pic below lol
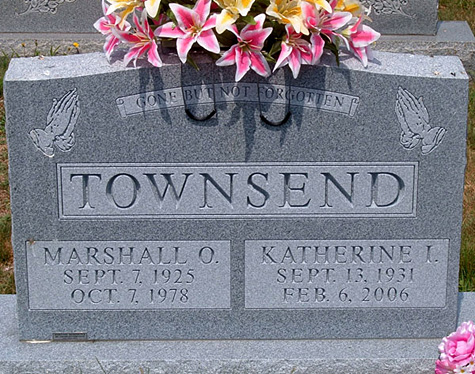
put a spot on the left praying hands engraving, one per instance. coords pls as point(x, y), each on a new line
point(44, 6)
point(61, 121)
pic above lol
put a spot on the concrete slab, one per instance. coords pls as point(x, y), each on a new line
point(250, 356)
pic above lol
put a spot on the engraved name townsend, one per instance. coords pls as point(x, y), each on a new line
point(285, 274)
point(128, 275)
point(237, 190)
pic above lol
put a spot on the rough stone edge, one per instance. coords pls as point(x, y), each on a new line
point(454, 38)
point(405, 356)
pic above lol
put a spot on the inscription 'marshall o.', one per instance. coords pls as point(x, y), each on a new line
point(135, 275)
point(236, 190)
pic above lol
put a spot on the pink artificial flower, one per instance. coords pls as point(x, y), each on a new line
point(105, 25)
point(193, 26)
point(295, 51)
point(320, 21)
point(458, 349)
point(359, 38)
point(142, 40)
point(444, 367)
point(246, 54)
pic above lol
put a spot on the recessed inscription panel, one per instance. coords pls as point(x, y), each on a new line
point(112, 275)
point(292, 274)
point(238, 92)
point(237, 190)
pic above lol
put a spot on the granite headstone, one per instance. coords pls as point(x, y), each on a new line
point(49, 16)
point(163, 204)
point(404, 17)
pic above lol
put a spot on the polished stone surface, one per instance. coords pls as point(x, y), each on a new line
point(49, 16)
point(368, 169)
point(398, 356)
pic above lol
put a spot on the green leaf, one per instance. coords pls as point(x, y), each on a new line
point(171, 15)
point(276, 47)
point(268, 56)
point(249, 20)
point(334, 49)
point(192, 62)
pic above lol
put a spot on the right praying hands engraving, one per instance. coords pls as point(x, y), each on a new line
point(62, 119)
point(414, 121)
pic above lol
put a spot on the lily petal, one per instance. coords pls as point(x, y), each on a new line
point(243, 63)
point(169, 30)
point(202, 8)
point(183, 46)
point(259, 64)
point(295, 62)
point(152, 7)
point(337, 20)
point(256, 38)
point(284, 53)
point(317, 47)
point(110, 44)
point(224, 20)
point(153, 56)
point(228, 58)
point(365, 36)
point(244, 6)
point(208, 41)
point(184, 16)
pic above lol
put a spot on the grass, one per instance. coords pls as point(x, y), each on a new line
point(7, 280)
point(465, 10)
point(448, 10)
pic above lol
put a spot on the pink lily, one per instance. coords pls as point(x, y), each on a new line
point(142, 40)
point(193, 26)
point(105, 25)
point(359, 38)
point(322, 22)
point(246, 54)
point(295, 51)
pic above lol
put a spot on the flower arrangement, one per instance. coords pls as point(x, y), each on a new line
point(457, 351)
point(245, 33)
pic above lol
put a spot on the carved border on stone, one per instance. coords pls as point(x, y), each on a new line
point(43, 6)
point(60, 124)
point(388, 7)
point(415, 123)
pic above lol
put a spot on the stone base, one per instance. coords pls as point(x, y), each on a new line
point(403, 356)
point(453, 38)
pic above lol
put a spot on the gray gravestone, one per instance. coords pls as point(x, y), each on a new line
point(133, 221)
point(77, 16)
point(403, 17)
point(49, 16)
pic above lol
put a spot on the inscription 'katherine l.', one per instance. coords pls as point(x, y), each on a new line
point(237, 190)
point(291, 274)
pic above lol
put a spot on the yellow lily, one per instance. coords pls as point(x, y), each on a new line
point(152, 7)
point(352, 6)
point(321, 4)
point(231, 11)
point(128, 7)
point(288, 12)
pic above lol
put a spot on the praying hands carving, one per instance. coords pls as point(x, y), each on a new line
point(415, 124)
point(61, 121)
